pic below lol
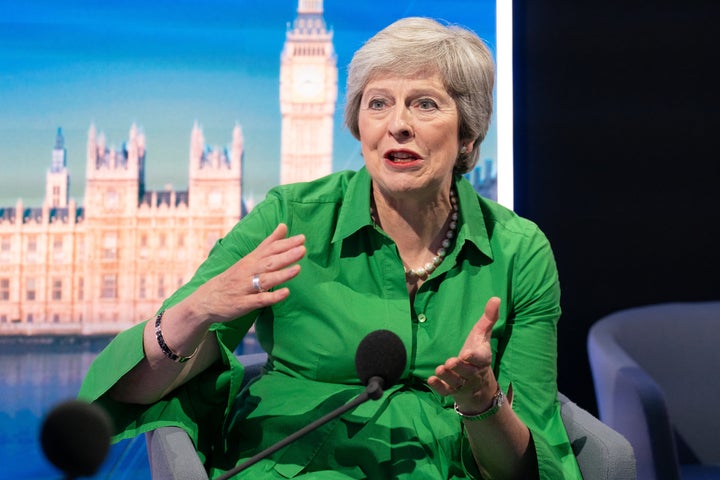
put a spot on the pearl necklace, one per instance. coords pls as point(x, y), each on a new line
point(428, 268)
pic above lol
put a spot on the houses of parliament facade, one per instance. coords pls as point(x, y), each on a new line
point(108, 263)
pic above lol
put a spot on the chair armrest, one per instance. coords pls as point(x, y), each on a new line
point(601, 452)
point(632, 403)
point(172, 455)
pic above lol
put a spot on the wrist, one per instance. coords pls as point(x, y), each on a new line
point(497, 401)
point(164, 347)
point(178, 333)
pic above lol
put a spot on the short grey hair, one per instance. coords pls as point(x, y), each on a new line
point(415, 44)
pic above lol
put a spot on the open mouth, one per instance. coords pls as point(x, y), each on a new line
point(401, 156)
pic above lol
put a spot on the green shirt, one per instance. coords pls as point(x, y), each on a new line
point(351, 283)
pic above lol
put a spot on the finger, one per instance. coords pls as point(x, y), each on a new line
point(440, 386)
point(282, 245)
point(262, 282)
point(477, 343)
point(264, 299)
point(451, 373)
point(281, 260)
point(462, 369)
point(490, 317)
point(277, 242)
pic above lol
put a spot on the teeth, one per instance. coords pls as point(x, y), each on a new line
point(401, 156)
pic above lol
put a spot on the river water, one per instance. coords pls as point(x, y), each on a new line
point(37, 373)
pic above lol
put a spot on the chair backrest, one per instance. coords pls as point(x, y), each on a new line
point(654, 369)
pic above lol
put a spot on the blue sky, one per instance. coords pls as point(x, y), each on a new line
point(164, 64)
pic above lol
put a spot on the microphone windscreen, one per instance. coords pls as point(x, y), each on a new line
point(380, 354)
point(75, 437)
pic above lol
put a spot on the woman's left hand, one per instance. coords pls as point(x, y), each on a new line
point(469, 377)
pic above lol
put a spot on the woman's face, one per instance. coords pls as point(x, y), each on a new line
point(409, 134)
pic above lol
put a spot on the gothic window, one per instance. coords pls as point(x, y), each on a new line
point(109, 286)
point(161, 286)
point(32, 249)
point(56, 289)
point(5, 249)
point(144, 252)
point(30, 289)
point(58, 249)
point(110, 246)
point(4, 289)
point(162, 249)
point(181, 246)
point(142, 287)
point(81, 289)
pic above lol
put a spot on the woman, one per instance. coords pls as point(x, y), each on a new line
point(404, 244)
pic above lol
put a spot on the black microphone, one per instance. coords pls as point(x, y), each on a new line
point(75, 437)
point(379, 361)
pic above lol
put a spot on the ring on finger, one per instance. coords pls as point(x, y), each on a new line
point(256, 284)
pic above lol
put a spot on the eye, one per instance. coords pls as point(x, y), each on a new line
point(376, 104)
point(426, 104)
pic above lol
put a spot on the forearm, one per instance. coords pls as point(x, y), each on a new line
point(156, 375)
point(502, 446)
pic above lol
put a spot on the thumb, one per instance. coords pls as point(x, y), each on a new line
point(482, 330)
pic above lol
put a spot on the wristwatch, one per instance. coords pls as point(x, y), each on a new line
point(497, 401)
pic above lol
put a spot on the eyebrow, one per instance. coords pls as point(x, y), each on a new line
point(415, 92)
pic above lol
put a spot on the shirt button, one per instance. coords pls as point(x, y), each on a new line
point(422, 318)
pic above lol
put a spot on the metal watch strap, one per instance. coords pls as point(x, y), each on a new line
point(497, 402)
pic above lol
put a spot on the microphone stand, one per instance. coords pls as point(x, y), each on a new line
point(373, 391)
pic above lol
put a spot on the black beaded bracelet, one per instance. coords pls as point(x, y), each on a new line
point(164, 346)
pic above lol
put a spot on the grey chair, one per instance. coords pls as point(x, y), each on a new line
point(602, 453)
point(655, 370)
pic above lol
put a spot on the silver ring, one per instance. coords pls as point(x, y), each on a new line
point(256, 284)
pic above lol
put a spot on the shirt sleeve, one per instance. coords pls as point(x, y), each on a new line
point(199, 405)
point(529, 355)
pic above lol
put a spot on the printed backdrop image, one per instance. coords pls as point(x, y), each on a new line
point(164, 65)
point(133, 135)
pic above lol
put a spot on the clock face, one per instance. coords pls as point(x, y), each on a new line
point(308, 83)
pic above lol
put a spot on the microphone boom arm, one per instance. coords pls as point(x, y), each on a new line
point(374, 391)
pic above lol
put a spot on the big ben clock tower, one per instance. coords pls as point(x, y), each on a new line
point(308, 92)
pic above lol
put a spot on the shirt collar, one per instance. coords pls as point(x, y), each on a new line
point(355, 209)
point(355, 212)
point(473, 224)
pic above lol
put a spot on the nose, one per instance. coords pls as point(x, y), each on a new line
point(400, 125)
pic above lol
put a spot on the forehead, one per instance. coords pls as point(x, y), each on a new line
point(392, 80)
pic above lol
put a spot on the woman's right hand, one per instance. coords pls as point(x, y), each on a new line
point(224, 297)
point(233, 293)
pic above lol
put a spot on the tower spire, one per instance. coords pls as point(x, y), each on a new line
point(57, 180)
point(59, 156)
point(310, 6)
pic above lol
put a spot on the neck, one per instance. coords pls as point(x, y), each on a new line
point(422, 235)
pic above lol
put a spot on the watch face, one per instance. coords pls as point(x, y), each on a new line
point(308, 82)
